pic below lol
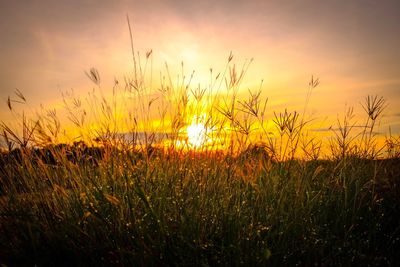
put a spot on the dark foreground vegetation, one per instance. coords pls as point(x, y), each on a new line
point(126, 204)
point(74, 205)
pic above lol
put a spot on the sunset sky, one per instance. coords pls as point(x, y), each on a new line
point(351, 46)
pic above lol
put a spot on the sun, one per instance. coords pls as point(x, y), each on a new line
point(197, 134)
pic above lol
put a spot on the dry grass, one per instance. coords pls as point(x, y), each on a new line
point(259, 193)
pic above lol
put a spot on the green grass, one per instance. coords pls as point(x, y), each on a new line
point(256, 203)
point(199, 209)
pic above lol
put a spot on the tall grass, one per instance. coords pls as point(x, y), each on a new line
point(259, 192)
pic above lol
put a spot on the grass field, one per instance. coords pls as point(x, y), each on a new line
point(276, 202)
point(200, 209)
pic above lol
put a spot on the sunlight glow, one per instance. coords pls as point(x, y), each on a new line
point(197, 134)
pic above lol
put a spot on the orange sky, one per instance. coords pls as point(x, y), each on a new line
point(352, 46)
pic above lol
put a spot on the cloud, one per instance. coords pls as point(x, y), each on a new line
point(350, 45)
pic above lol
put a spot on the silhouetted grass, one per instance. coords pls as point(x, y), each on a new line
point(199, 209)
point(271, 200)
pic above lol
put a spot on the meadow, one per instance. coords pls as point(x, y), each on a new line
point(232, 187)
